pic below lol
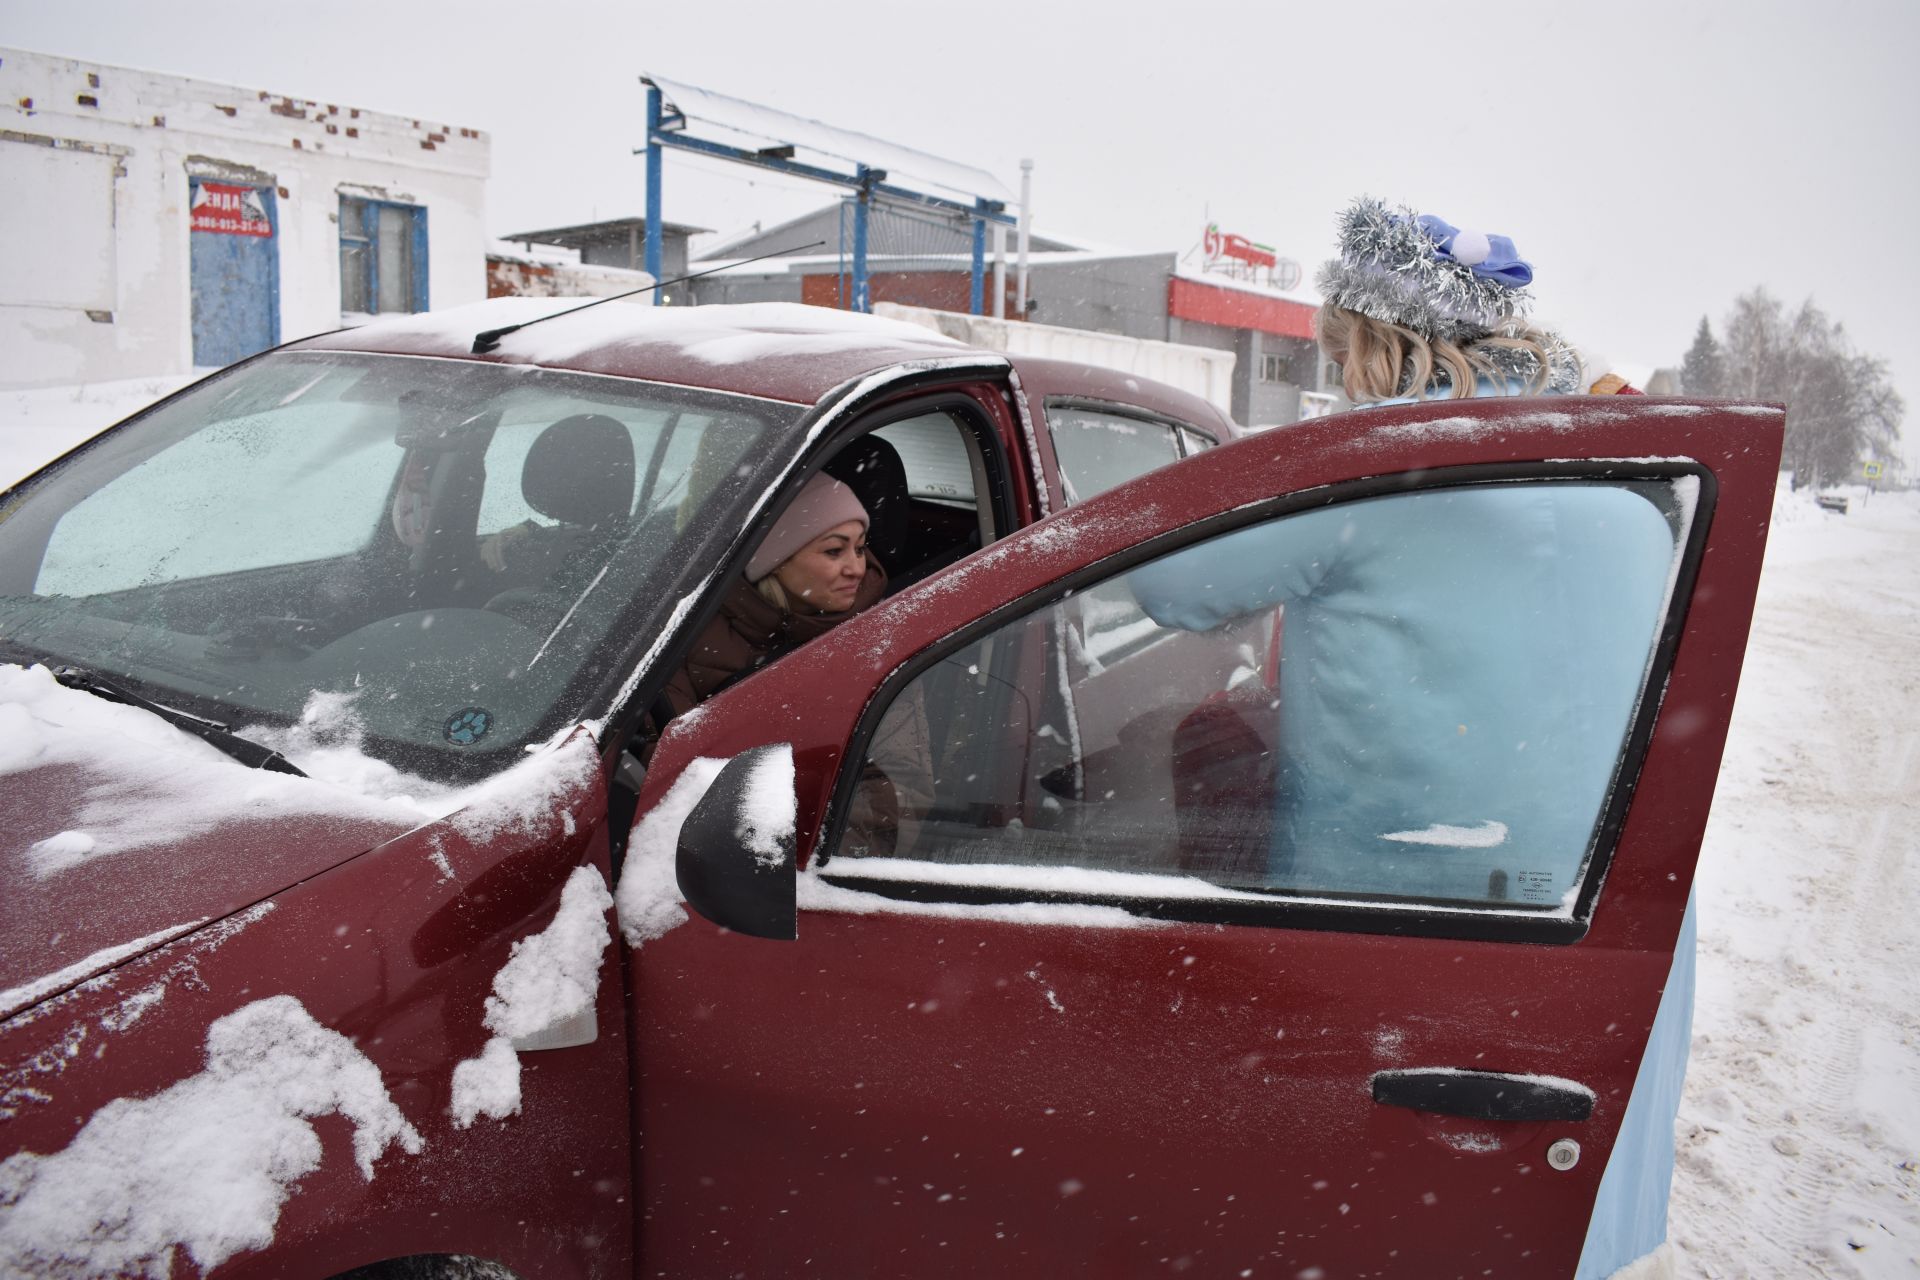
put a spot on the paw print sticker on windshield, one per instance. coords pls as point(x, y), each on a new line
point(468, 726)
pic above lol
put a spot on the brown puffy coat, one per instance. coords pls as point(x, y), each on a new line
point(749, 631)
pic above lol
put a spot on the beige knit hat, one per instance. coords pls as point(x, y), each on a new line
point(824, 503)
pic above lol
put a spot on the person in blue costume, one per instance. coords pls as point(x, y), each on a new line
point(1461, 664)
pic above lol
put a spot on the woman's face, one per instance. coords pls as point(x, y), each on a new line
point(824, 576)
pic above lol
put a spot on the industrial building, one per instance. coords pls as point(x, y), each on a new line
point(176, 223)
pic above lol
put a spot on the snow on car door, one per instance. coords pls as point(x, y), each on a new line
point(1348, 966)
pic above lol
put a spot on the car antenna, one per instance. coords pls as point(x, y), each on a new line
point(488, 339)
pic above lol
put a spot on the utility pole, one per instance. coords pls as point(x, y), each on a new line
point(1026, 230)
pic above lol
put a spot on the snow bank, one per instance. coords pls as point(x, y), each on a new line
point(649, 895)
point(1797, 1138)
point(204, 1165)
point(553, 975)
point(328, 743)
point(488, 1085)
point(549, 978)
point(187, 788)
point(719, 335)
point(37, 426)
point(769, 808)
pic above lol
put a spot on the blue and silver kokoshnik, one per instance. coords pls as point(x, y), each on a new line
point(1418, 272)
point(1445, 284)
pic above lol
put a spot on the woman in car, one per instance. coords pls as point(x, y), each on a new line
point(811, 573)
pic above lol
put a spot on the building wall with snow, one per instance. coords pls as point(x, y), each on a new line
point(1124, 295)
point(517, 276)
point(103, 269)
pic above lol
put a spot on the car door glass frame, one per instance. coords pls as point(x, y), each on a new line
point(1514, 922)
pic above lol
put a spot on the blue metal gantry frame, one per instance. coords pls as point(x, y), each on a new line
point(665, 129)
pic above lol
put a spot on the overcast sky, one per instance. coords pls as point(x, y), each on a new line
point(1653, 161)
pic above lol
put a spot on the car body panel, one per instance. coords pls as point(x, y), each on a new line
point(910, 1093)
point(396, 950)
point(172, 880)
point(1061, 1096)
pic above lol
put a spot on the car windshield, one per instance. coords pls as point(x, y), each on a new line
point(457, 552)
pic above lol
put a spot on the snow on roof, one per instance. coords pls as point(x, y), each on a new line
point(716, 334)
point(769, 125)
point(535, 251)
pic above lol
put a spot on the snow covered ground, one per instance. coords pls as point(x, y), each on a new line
point(1800, 1132)
point(38, 426)
point(1800, 1129)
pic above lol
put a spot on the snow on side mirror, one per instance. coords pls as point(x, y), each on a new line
point(735, 857)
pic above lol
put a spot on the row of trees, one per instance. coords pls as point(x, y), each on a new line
point(1841, 408)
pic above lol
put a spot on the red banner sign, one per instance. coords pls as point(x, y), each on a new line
point(1246, 259)
point(1228, 245)
point(230, 210)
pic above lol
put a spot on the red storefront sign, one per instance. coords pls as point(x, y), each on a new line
point(1227, 245)
point(230, 210)
point(1232, 308)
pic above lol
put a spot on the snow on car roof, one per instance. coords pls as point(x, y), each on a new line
point(779, 350)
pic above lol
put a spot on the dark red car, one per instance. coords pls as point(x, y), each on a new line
point(337, 720)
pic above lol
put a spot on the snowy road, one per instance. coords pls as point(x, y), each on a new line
point(1800, 1130)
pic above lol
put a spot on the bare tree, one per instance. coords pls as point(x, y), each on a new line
point(1841, 408)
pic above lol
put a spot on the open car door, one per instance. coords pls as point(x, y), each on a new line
point(1272, 864)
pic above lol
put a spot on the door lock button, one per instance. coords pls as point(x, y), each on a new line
point(1564, 1154)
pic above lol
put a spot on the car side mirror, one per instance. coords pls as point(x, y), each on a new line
point(736, 855)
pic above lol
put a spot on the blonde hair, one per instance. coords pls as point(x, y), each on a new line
point(775, 594)
point(1381, 361)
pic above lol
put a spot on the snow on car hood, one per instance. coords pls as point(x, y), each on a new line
point(118, 832)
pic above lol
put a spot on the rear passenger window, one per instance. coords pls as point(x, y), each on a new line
point(1098, 450)
point(934, 452)
point(1421, 697)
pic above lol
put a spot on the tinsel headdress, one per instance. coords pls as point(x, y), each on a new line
point(1417, 271)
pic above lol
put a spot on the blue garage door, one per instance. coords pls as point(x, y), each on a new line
point(236, 271)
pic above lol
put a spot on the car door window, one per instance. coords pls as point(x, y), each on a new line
point(1422, 696)
point(1098, 449)
point(934, 453)
point(1195, 441)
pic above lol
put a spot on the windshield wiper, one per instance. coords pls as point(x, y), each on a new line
point(251, 754)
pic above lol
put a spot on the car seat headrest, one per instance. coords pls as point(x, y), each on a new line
point(871, 467)
point(580, 471)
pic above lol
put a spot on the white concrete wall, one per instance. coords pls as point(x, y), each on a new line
point(1200, 370)
point(94, 257)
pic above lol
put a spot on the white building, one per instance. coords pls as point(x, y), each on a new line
point(152, 224)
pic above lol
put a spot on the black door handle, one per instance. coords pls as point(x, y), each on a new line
point(1484, 1095)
